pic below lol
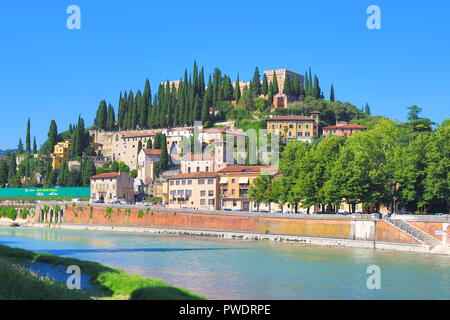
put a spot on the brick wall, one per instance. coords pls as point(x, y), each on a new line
point(150, 218)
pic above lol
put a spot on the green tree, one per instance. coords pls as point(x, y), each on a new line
point(275, 84)
point(256, 83)
point(34, 146)
point(50, 180)
point(20, 147)
point(265, 85)
point(332, 93)
point(28, 138)
point(261, 190)
point(52, 136)
point(164, 159)
point(149, 144)
point(101, 117)
point(111, 118)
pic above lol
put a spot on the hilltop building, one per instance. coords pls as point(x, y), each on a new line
point(61, 153)
point(302, 128)
point(343, 128)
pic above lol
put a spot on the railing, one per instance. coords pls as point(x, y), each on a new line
point(413, 232)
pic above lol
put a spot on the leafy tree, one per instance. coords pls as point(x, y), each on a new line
point(261, 190)
point(414, 112)
point(114, 166)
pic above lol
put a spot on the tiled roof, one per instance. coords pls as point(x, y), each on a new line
point(148, 152)
point(243, 169)
point(194, 175)
point(107, 175)
point(345, 126)
point(290, 118)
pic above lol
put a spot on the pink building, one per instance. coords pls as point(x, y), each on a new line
point(343, 128)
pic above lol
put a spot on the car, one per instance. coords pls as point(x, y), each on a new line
point(440, 214)
point(344, 213)
point(318, 212)
point(76, 200)
point(114, 202)
point(99, 201)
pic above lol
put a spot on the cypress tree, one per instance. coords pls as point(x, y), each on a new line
point(237, 90)
point(275, 84)
point(270, 95)
point(147, 94)
point(332, 93)
point(367, 109)
point(265, 85)
point(296, 87)
point(12, 167)
point(111, 118)
point(20, 147)
point(317, 91)
point(288, 87)
point(139, 148)
point(101, 117)
point(28, 138)
point(63, 176)
point(164, 160)
point(256, 83)
point(149, 144)
point(34, 146)
point(52, 136)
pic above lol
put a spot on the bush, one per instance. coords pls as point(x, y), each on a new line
point(10, 213)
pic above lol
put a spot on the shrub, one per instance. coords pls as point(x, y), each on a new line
point(141, 214)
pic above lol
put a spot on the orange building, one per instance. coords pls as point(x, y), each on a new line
point(234, 183)
point(343, 128)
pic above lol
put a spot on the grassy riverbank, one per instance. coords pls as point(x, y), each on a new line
point(17, 282)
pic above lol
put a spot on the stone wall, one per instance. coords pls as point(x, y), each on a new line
point(387, 233)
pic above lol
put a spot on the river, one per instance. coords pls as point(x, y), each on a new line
point(234, 269)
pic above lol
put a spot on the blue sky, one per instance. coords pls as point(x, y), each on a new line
point(50, 72)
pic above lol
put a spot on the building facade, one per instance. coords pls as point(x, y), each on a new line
point(61, 153)
point(146, 162)
point(343, 128)
point(112, 186)
point(197, 190)
point(302, 128)
point(281, 75)
point(234, 183)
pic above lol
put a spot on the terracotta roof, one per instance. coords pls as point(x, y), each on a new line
point(290, 118)
point(222, 130)
point(137, 135)
point(345, 126)
point(155, 152)
point(194, 175)
point(243, 169)
point(107, 175)
point(198, 157)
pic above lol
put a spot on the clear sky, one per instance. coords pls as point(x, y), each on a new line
point(50, 72)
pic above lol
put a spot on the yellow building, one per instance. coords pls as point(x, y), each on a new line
point(294, 127)
point(61, 153)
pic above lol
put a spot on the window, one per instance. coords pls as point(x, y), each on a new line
point(307, 134)
point(299, 126)
point(210, 181)
point(202, 193)
point(233, 180)
point(307, 126)
point(189, 182)
point(207, 170)
point(189, 169)
point(280, 126)
point(202, 202)
point(211, 202)
point(201, 181)
point(300, 134)
point(290, 133)
point(273, 126)
point(178, 182)
point(211, 193)
point(234, 204)
point(183, 182)
point(291, 126)
point(232, 191)
point(198, 169)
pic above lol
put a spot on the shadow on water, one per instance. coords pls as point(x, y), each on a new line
point(126, 250)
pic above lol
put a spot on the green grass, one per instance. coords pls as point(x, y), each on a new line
point(111, 283)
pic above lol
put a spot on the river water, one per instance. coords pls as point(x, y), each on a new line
point(234, 269)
